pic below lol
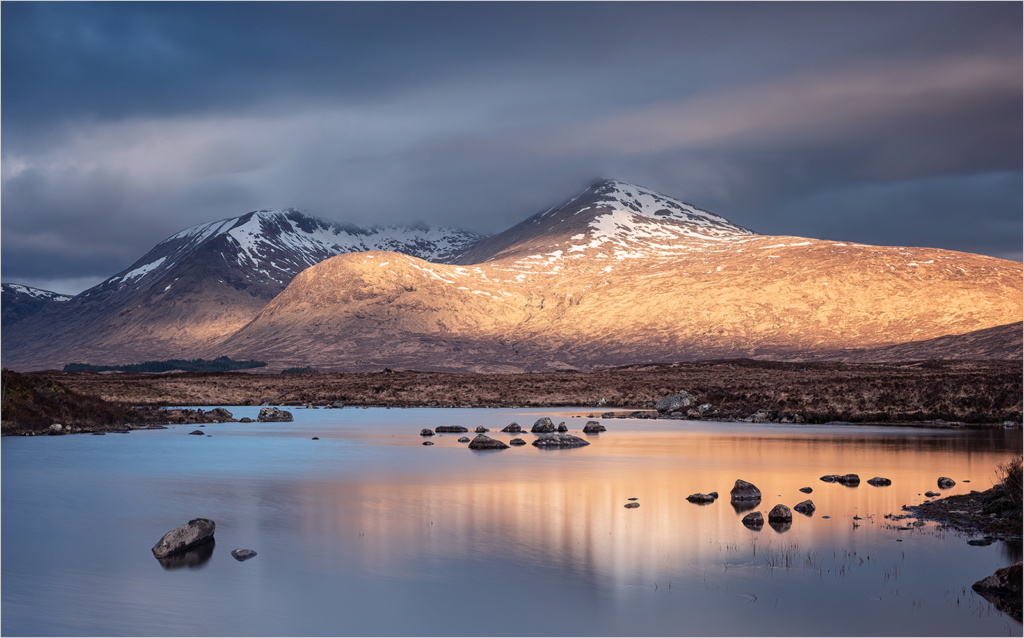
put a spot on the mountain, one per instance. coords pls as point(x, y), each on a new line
point(21, 302)
point(1001, 342)
point(623, 275)
point(202, 284)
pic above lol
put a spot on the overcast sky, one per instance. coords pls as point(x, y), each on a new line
point(881, 123)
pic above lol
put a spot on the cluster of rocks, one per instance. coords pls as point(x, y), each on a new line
point(191, 545)
point(549, 436)
point(684, 405)
point(273, 415)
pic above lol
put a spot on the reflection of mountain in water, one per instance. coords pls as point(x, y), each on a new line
point(192, 559)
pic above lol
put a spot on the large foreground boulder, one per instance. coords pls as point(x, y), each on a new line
point(674, 403)
point(181, 539)
point(555, 441)
point(484, 442)
point(543, 424)
point(1003, 589)
point(271, 415)
point(743, 491)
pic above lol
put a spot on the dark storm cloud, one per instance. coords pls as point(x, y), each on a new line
point(880, 122)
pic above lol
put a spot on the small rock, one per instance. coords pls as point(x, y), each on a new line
point(463, 439)
point(450, 428)
point(805, 507)
point(849, 480)
point(743, 491)
point(980, 542)
point(245, 419)
point(607, 415)
point(517, 442)
point(54, 429)
point(562, 427)
point(630, 506)
point(593, 427)
point(543, 424)
point(274, 415)
point(181, 539)
point(481, 429)
point(316, 438)
point(701, 498)
point(484, 442)
point(554, 441)
point(780, 513)
point(242, 554)
point(632, 498)
point(512, 428)
point(674, 403)
point(754, 520)
point(830, 478)
point(945, 482)
point(806, 490)
point(428, 443)
point(932, 494)
point(879, 481)
point(197, 432)
point(426, 432)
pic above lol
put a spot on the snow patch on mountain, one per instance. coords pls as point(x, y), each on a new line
point(37, 293)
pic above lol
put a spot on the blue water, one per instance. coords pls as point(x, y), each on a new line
point(368, 532)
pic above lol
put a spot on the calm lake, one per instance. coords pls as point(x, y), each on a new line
point(368, 532)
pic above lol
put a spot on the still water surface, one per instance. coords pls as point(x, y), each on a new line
point(368, 532)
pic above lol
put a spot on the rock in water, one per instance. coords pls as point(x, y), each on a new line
point(270, 415)
point(450, 428)
point(780, 513)
point(553, 441)
point(517, 442)
point(849, 480)
point(543, 424)
point(1003, 589)
point(192, 534)
point(806, 490)
point(831, 478)
point(945, 482)
point(197, 432)
point(674, 403)
point(481, 429)
point(879, 481)
point(630, 506)
point(512, 428)
point(562, 427)
point(221, 414)
point(754, 520)
point(55, 429)
point(426, 432)
point(484, 442)
point(593, 427)
point(702, 498)
point(463, 439)
point(242, 554)
point(805, 507)
point(743, 491)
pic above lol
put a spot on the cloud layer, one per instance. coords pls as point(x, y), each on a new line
point(881, 123)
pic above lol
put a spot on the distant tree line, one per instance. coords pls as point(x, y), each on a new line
point(220, 364)
point(305, 370)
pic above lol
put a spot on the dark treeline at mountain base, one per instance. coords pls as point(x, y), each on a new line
point(220, 364)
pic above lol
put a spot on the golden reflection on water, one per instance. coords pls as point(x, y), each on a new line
point(565, 508)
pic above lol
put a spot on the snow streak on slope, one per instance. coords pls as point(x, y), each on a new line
point(36, 293)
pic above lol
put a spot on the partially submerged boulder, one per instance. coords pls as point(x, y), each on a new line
point(242, 554)
point(463, 439)
point(481, 429)
point(517, 442)
point(849, 480)
point(555, 441)
point(702, 499)
point(805, 507)
point(484, 442)
point(831, 478)
point(879, 481)
point(450, 428)
point(743, 491)
point(221, 414)
point(806, 490)
point(631, 506)
point(754, 520)
point(512, 428)
point(593, 427)
point(197, 433)
point(543, 424)
point(1003, 589)
point(426, 432)
point(780, 513)
point(562, 427)
point(674, 403)
point(181, 539)
point(272, 415)
point(945, 482)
